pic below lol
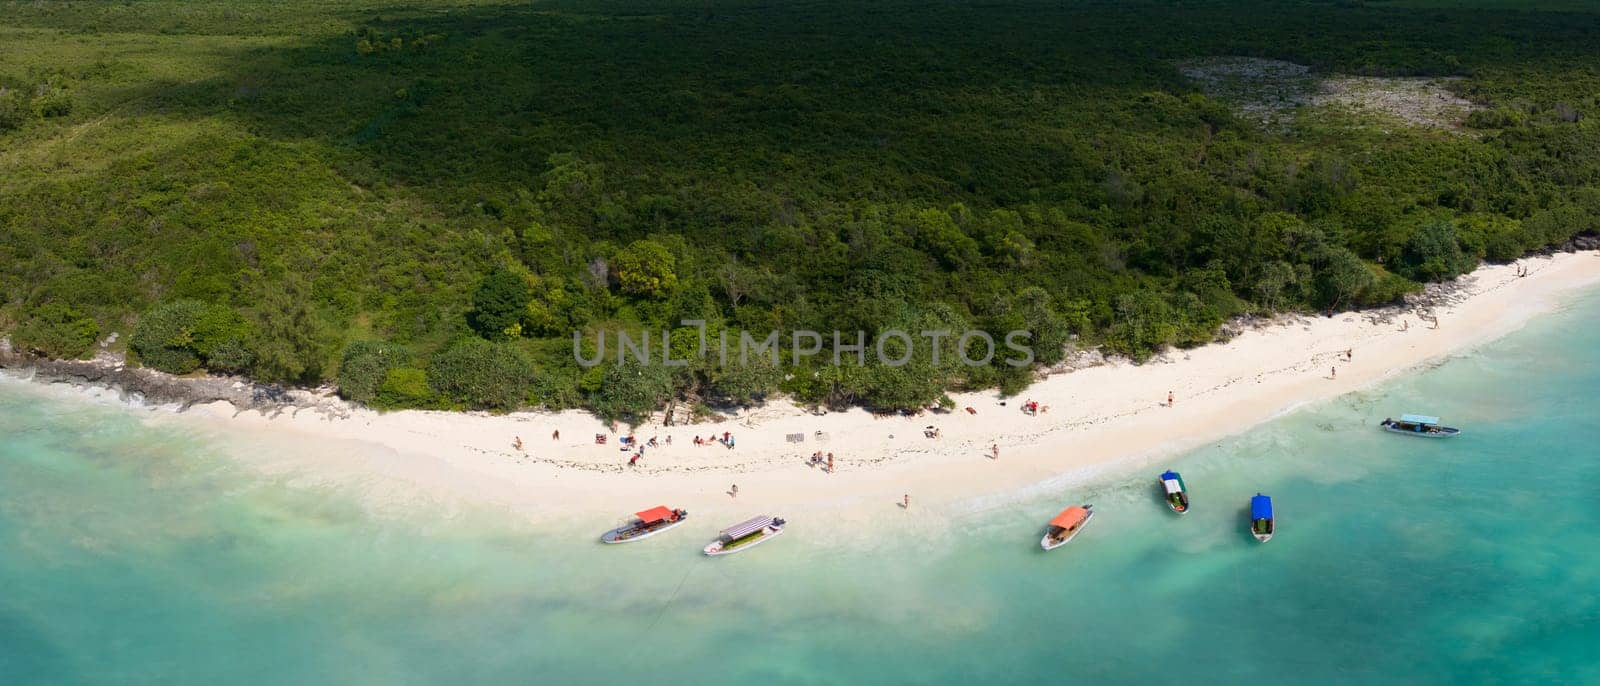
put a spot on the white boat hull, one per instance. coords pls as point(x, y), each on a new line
point(611, 536)
point(716, 549)
point(1049, 544)
point(1441, 432)
point(1266, 536)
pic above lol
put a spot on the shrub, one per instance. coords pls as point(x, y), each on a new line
point(745, 384)
point(365, 368)
point(51, 102)
point(478, 374)
point(181, 336)
point(632, 390)
point(57, 331)
point(499, 304)
point(1497, 118)
point(164, 338)
point(14, 110)
point(219, 338)
point(645, 268)
point(404, 387)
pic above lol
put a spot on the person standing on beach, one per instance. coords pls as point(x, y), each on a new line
point(734, 492)
point(555, 435)
point(1333, 372)
point(830, 463)
point(995, 450)
point(1349, 354)
point(517, 443)
point(907, 502)
point(1169, 398)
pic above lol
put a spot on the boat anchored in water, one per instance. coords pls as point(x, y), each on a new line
point(1177, 496)
point(745, 535)
point(1419, 425)
point(1066, 526)
point(1261, 523)
point(645, 524)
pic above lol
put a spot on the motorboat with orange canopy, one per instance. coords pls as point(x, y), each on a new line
point(1066, 525)
point(646, 524)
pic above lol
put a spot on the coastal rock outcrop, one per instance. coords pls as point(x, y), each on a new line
point(108, 370)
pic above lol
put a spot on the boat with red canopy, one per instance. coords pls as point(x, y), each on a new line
point(646, 524)
point(1066, 526)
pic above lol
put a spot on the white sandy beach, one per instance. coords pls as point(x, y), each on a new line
point(1105, 416)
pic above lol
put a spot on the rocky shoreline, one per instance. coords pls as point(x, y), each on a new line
point(109, 370)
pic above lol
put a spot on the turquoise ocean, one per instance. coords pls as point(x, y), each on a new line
point(140, 553)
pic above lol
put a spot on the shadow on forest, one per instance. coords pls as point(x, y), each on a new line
point(795, 102)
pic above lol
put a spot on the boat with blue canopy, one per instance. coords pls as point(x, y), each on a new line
point(1176, 495)
point(1262, 524)
point(1419, 425)
point(745, 535)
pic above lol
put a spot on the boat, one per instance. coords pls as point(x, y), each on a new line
point(1419, 425)
point(1261, 523)
point(745, 535)
point(645, 524)
point(1066, 526)
point(1177, 496)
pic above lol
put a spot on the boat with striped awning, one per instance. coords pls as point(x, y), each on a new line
point(645, 524)
point(1419, 425)
point(1175, 494)
point(745, 535)
point(1066, 526)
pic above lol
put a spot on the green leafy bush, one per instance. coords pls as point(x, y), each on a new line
point(184, 335)
point(632, 390)
point(58, 331)
point(479, 374)
point(500, 304)
point(51, 102)
point(404, 387)
point(645, 268)
point(14, 109)
point(164, 337)
point(365, 367)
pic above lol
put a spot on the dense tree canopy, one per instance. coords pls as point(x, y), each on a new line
point(289, 189)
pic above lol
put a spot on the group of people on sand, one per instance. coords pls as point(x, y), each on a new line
point(726, 440)
point(817, 458)
point(1032, 407)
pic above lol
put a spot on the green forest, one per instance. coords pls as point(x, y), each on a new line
point(421, 202)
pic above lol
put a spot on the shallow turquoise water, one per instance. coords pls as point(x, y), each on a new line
point(131, 554)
